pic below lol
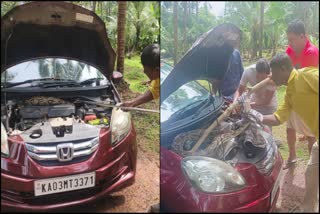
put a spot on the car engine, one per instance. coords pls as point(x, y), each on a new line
point(239, 138)
point(54, 118)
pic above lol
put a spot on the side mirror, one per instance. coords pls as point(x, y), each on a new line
point(116, 77)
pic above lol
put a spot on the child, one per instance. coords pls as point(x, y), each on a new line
point(150, 59)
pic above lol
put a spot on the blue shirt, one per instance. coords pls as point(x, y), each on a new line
point(231, 80)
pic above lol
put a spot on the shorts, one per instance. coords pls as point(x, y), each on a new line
point(295, 122)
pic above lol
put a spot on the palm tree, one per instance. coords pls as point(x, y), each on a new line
point(139, 6)
point(94, 6)
point(261, 28)
point(243, 14)
point(175, 32)
point(185, 7)
point(121, 35)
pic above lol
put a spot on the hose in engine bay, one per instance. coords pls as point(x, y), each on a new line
point(118, 106)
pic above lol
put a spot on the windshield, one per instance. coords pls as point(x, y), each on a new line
point(186, 95)
point(52, 68)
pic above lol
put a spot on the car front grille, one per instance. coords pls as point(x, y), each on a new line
point(48, 154)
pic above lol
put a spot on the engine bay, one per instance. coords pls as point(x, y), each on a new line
point(239, 138)
point(55, 118)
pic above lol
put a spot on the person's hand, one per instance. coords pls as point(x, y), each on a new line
point(244, 100)
point(256, 114)
point(124, 105)
point(127, 104)
point(237, 109)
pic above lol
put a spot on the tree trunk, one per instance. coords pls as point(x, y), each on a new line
point(206, 7)
point(305, 16)
point(121, 35)
point(175, 31)
point(197, 8)
point(94, 6)
point(138, 6)
point(185, 24)
point(254, 43)
point(101, 9)
point(316, 19)
point(138, 32)
point(108, 8)
point(261, 28)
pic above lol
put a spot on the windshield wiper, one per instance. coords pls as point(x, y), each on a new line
point(57, 84)
point(186, 108)
point(12, 84)
point(90, 81)
point(209, 100)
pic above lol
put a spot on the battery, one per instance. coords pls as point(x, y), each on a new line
point(90, 117)
point(100, 121)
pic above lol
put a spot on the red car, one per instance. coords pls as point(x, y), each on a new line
point(59, 147)
point(238, 167)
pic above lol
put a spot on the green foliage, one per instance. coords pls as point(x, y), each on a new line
point(280, 94)
point(195, 26)
point(246, 15)
point(142, 15)
point(6, 6)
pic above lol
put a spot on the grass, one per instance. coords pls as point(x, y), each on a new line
point(147, 125)
point(134, 74)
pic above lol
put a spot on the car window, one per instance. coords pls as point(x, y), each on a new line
point(57, 68)
point(187, 94)
point(165, 70)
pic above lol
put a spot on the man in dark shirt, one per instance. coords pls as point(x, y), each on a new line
point(231, 80)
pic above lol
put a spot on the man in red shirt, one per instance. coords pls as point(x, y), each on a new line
point(302, 54)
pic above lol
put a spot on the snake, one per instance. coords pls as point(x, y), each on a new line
point(212, 146)
point(44, 101)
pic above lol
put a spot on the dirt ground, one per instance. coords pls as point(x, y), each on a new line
point(292, 188)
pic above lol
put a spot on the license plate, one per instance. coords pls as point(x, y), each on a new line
point(64, 184)
point(275, 187)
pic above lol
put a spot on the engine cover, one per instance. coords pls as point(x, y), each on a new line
point(36, 112)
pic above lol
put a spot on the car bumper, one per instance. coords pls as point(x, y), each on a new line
point(18, 201)
point(114, 170)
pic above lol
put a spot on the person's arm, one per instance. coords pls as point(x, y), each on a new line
point(239, 92)
point(281, 115)
point(242, 86)
point(270, 120)
point(146, 97)
point(152, 93)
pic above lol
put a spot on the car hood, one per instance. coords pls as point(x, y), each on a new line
point(208, 58)
point(55, 29)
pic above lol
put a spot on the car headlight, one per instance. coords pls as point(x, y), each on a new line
point(4, 142)
point(120, 125)
point(212, 175)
